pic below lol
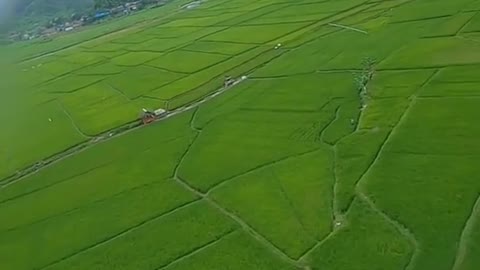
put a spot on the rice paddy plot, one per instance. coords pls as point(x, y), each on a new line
point(170, 32)
point(207, 164)
point(107, 47)
point(434, 52)
point(473, 25)
point(70, 83)
point(219, 47)
point(158, 242)
point(200, 21)
point(279, 94)
point(451, 25)
point(383, 112)
point(76, 230)
point(447, 196)
point(137, 81)
point(132, 39)
point(423, 10)
point(355, 153)
point(237, 250)
point(403, 83)
point(107, 68)
point(365, 238)
point(157, 45)
point(134, 58)
point(298, 169)
point(254, 34)
point(118, 150)
point(276, 192)
point(59, 67)
point(98, 108)
point(54, 132)
point(204, 76)
point(186, 61)
point(82, 58)
point(427, 117)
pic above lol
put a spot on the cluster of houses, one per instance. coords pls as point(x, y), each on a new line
point(55, 26)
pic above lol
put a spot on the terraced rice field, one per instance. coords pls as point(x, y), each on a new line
point(352, 146)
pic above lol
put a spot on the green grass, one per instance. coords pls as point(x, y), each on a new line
point(20, 150)
point(237, 250)
point(451, 25)
point(157, 45)
point(262, 33)
point(390, 84)
point(344, 122)
point(277, 192)
point(434, 189)
point(428, 116)
point(434, 52)
point(119, 148)
point(383, 113)
point(76, 192)
point(74, 231)
point(135, 58)
point(312, 91)
point(473, 25)
point(193, 81)
point(138, 81)
point(101, 69)
point(70, 84)
point(366, 238)
point(156, 243)
point(427, 9)
point(187, 62)
point(207, 163)
point(282, 151)
point(98, 108)
point(219, 47)
point(355, 154)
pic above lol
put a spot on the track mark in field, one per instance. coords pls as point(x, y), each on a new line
point(118, 91)
point(197, 250)
point(232, 178)
point(289, 201)
point(465, 235)
point(118, 235)
point(77, 128)
point(465, 24)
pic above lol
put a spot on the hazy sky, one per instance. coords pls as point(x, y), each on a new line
point(6, 7)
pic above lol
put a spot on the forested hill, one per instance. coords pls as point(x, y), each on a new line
point(18, 15)
point(50, 7)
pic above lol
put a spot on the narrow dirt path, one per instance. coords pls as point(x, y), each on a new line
point(362, 193)
point(470, 224)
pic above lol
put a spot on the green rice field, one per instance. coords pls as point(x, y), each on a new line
point(349, 140)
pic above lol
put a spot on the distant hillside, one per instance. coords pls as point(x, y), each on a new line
point(19, 15)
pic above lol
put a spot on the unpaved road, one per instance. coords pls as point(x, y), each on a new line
point(108, 135)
